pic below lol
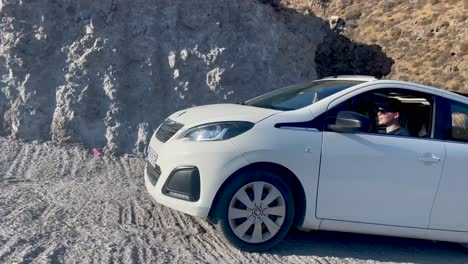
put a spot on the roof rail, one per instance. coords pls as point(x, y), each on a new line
point(353, 77)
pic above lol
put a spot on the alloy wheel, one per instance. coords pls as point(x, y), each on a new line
point(256, 212)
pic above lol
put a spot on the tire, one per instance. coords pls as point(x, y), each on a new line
point(254, 211)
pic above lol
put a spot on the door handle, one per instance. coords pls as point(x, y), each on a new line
point(429, 158)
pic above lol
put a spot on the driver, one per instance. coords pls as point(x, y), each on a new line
point(389, 116)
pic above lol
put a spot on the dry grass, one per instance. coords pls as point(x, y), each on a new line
point(427, 39)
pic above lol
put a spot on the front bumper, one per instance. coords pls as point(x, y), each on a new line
point(214, 161)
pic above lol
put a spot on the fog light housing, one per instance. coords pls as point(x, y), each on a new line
point(183, 183)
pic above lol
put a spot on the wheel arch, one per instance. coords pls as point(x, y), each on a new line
point(285, 174)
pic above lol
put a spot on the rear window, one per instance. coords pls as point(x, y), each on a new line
point(459, 114)
point(301, 95)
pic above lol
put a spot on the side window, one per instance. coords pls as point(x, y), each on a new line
point(459, 116)
point(361, 104)
point(398, 112)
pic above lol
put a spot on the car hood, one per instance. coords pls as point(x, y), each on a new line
point(221, 112)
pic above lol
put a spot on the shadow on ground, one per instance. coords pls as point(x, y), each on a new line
point(370, 248)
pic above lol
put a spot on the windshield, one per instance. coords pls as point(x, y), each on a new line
point(299, 96)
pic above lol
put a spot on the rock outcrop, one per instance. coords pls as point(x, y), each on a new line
point(427, 40)
point(105, 73)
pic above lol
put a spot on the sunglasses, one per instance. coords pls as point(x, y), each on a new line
point(383, 111)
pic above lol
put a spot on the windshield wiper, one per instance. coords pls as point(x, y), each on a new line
point(273, 107)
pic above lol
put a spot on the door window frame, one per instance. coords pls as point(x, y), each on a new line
point(443, 129)
point(430, 97)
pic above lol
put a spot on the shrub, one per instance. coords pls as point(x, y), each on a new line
point(428, 34)
point(425, 21)
point(416, 64)
point(403, 43)
point(353, 12)
point(387, 6)
point(395, 32)
point(442, 35)
point(404, 78)
point(464, 48)
point(462, 18)
point(454, 85)
point(403, 69)
point(435, 72)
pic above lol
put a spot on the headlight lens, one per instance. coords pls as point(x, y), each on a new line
point(217, 131)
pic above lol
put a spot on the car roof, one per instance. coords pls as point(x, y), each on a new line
point(435, 90)
point(365, 78)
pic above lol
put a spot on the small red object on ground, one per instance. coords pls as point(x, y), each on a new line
point(97, 152)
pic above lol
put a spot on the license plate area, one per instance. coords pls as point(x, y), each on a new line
point(152, 157)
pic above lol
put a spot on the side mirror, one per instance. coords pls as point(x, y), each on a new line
point(349, 122)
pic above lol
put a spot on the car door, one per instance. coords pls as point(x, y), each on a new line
point(450, 210)
point(369, 177)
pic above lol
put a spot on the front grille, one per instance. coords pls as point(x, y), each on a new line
point(167, 130)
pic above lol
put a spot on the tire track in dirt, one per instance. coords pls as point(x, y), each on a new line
point(23, 210)
point(61, 164)
point(78, 157)
point(12, 246)
point(127, 213)
point(24, 162)
point(163, 218)
point(141, 213)
point(9, 154)
point(106, 214)
point(207, 247)
point(109, 174)
point(49, 215)
point(53, 207)
point(133, 171)
point(57, 255)
point(126, 170)
point(6, 248)
point(12, 168)
point(90, 209)
point(33, 253)
point(131, 255)
point(183, 221)
point(36, 159)
point(131, 218)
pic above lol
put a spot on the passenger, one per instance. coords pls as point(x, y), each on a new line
point(389, 116)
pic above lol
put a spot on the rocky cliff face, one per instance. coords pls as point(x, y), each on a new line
point(427, 40)
point(105, 73)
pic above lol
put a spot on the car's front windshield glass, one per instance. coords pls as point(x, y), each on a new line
point(301, 95)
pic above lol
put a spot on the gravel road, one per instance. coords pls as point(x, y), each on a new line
point(62, 204)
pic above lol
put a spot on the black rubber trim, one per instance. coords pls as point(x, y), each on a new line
point(167, 130)
point(153, 173)
point(175, 188)
point(317, 123)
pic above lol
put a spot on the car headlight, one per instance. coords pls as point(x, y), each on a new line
point(217, 131)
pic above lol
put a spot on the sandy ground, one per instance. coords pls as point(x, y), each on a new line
point(63, 204)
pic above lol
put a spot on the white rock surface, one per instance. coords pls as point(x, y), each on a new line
point(91, 72)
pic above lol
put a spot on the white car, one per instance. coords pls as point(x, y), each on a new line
point(316, 156)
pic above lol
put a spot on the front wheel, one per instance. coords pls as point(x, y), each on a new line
point(255, 211)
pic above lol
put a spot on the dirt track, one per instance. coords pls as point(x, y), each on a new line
point(62, 204)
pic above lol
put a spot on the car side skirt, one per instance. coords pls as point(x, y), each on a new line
point(395, 231)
